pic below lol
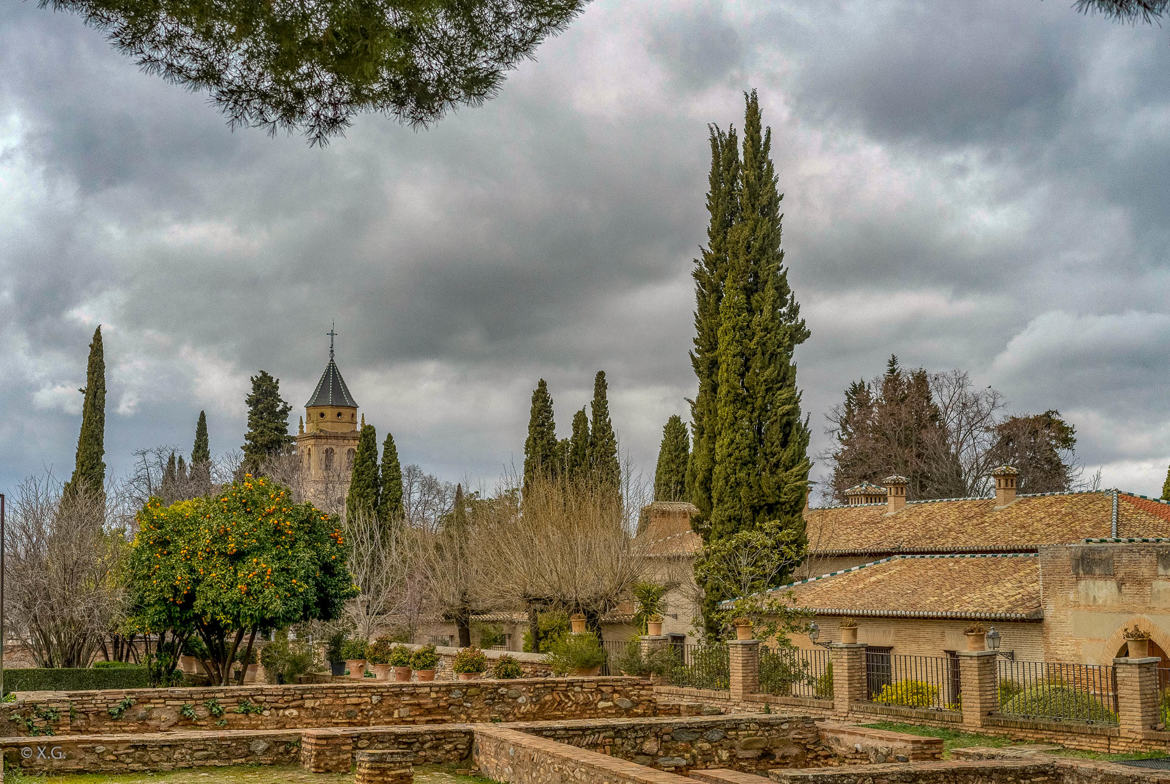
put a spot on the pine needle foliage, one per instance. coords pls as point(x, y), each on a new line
point(268, 412)
point(89, 471)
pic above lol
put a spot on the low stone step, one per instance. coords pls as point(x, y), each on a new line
point(723, 776)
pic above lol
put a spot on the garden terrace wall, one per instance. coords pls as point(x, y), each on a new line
point(334, 704)
point(947, 772)
point(746, 742)
point(533, 665)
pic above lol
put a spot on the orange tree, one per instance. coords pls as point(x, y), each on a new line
point(221, 568)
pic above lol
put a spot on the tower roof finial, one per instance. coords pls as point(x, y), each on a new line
point(332, 333)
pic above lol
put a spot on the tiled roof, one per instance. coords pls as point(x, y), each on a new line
point(977, 525)
point(331, 389)
point(668, 530)
point(982, 587)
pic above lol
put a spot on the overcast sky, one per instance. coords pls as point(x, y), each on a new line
point(975, 185)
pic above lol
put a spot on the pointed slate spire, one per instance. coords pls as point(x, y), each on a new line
point(331, 389)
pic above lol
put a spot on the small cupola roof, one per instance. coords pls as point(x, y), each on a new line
point(331, 389)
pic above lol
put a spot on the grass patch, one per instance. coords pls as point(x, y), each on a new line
point(956, 739)
point(239, 774)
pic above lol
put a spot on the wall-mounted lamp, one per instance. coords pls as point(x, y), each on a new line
point(993, 642)
point(814, 631)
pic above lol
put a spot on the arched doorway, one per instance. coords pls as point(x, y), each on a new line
point(1163, 665)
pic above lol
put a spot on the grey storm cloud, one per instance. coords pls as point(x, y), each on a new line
point(976, 186)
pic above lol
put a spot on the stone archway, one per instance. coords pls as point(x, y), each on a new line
point(1159, 642)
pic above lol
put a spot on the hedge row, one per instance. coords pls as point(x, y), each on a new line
point(70, 679)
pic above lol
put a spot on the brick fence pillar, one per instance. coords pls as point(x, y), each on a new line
point(326, 751)
point(978, 685)
point(848, 675)
point(648, 644)
point(1138, 709)
point(384, 767)
point(745, 667)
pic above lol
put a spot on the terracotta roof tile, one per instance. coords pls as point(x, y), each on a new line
point(668, 529)
point(987, 587)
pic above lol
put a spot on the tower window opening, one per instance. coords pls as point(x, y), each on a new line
point(329, 458)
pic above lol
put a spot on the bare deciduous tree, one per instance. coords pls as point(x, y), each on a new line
point(425, 498)
point(63, 594)
point(386, 563)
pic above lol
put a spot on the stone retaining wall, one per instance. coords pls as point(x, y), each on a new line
point(948, 772)
point(863, 744)
point(336, 704)
point(747, 742)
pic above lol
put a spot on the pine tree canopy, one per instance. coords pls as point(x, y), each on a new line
point(603, 446)
point(578, 463)
point(390, 505)
point(673, 455)
point(312, 65)
point(541, 453)
point(89, 471)
point(267, 434)
point(365, 487)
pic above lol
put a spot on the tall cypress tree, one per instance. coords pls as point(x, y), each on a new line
point(1166, 487)
point(671, 472)
point(267, 422)
point(365, 488)
point(89, 470)
point(578, 463)
point(201, 453)
point(540, 448)
point(709, 273)
point(390, 505)
point(603, 446)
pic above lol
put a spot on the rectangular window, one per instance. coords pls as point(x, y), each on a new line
point(879, 670)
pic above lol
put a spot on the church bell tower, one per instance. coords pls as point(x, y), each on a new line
point(328, 437)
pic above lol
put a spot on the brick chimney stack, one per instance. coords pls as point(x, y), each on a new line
point(895, 492)
point(1005, 484)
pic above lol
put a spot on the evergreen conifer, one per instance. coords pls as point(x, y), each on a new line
point(365, 488)
point(603, 446)
point(267, 434)
point(89, 471)
point(1166, 487)
point(540, 448)
point(201, 454)
point(578, 463)
point(390, 505)
point(673, 454)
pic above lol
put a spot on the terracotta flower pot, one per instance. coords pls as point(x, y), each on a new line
point(425, 675)
point(743, 629)
point(654, 628)
point(578, 623)
point(976, 641)
point(849, 635)
point(470, 676)
point(356, 667)
point(381, 671)
point(402, 674)
point(1138, 649)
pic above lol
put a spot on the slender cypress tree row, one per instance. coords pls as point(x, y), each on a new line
point(201, 453)
point(540, 448)
point(578, 464)
point(365, 488)
point(709, 273)
point(673, 453)
point(603, 447)
point(1166, 487)
point(390, 504)
point(89, 470)
point(267, 422)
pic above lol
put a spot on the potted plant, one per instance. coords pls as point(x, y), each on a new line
point(976, 637)
point(576, 654)
point(1137, 641)
point(743, 628)
point(379, 658)
point(400, 661)
point(648, 617)
point(424, 661)
point(577, 622)
point(354, 654)
point(848, 628)
point(469, 664)
point(333, 653)
point(654, 626)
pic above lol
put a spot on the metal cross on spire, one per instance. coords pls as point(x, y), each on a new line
point(332, 333)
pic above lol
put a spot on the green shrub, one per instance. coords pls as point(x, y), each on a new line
point(553, 625)
point(285, 659)
point(575, 652)
point(824, 685)
point(909, 694)
point(491, 635)
point(76, 679)
point(1057, 701)
point(399, 656)
point(354, 649)
point(115, 665)
point(781, 670)
point(1007, 690)
point(379, 651)
point(709, 668)
point(214, 709)
point(333, 647)
point(468, 661)
point(660, 662)
point(425, 658)
point(507, 668)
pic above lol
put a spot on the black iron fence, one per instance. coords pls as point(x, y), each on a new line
point(793, 672)
point(930, 682)
point(1051, 690)
point(698, 666)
